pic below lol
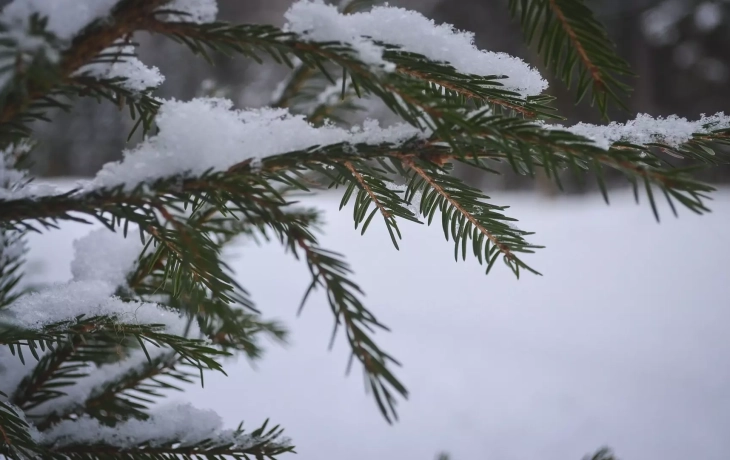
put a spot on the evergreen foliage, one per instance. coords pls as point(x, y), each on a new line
point(184, 221)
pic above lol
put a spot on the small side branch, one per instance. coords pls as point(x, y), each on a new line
point(503, 248)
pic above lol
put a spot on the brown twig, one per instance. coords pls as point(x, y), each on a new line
point(426, 177)
point(367, 189)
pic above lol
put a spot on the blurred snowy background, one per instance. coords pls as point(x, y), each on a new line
point(623, 342)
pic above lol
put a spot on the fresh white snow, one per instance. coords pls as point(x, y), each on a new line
point(137, 76)
point(645, 129)
point(107, 256)
point(207, 133)
point(63, 302)
point(413, 32)
point(169, 423)
point(66, 18)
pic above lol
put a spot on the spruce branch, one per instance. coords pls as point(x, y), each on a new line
point(260, 444)
point(125, 19)
point(466, 216)
point(568, 35)
point(108, 329)
point(129, 395)
point(374, 189)
point(249, 40)
point(52, 372)
point(12, 257)
point(142, 107)
point(16, 434)
point(330, 273)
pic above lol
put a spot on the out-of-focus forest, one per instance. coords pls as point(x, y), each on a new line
point(680, 50)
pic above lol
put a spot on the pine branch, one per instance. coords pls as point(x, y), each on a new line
point(214, 452)
point(53, 371)
point(107, 328)
point(16, 440)
point(128, 395)
point(92, 41)
point(12, 257)
point(330, 272)
point(142, 107)
point(259, 444)
point(374, 189)
point(249, 40)
point(570, 36)
point(468, 217)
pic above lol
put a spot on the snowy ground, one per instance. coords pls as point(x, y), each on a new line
point(623, 342)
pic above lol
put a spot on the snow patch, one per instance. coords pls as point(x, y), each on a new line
point(645, 129)
point(66, 302)
point(66, 18)
point(413, 32)
point(106, 256)
point(207, 133)
point(137, 76)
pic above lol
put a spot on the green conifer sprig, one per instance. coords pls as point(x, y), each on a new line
point(260, 444)
point(131, 394)
point(575, 46)
point(107, 328)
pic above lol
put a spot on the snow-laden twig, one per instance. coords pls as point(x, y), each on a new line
point(66, 18)
point(207, 133)
point(413, 32)
point(137, 77)
point(65, 302)
point(181, 424)
point(645, 129)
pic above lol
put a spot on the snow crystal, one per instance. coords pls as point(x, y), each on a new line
point(137, 76)
point(86, 387)
point(197, 11)
point(645, 129)
point(107, 256)
point(181, 423)
point(413, 32)
point(66, 18)
point(64, 302)
point(206, 133)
